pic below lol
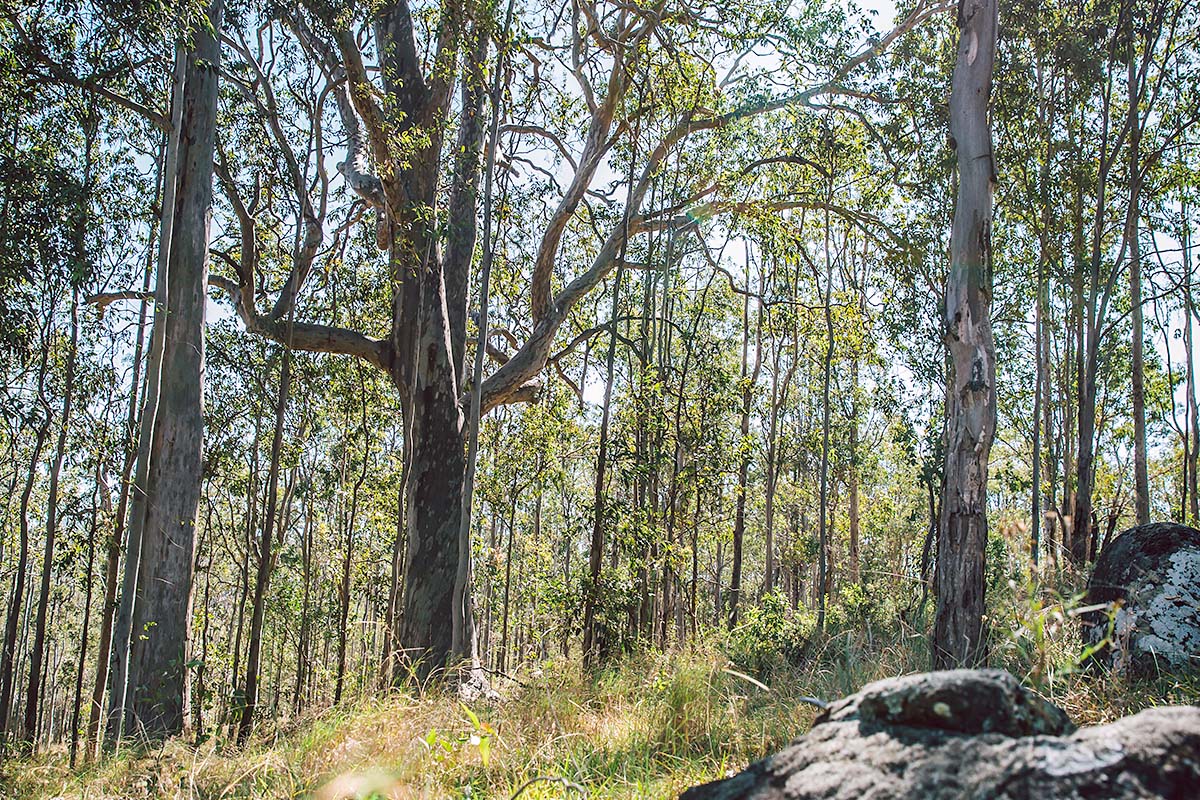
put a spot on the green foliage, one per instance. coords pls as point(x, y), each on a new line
point(769, 637)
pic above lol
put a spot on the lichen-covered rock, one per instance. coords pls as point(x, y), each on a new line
point(1147, 582)
point(962, 700)
point(916, 737)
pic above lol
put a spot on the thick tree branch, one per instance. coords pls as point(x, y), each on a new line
point(307, 336)
point(361, 94)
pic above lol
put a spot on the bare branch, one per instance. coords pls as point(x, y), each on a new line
point(103, 299)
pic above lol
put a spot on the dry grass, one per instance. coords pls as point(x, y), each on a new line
point(648, 728)
point(651, 728)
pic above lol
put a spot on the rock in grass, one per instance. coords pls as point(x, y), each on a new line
point(959, 700)
point(1147, 581)
point(976, 734)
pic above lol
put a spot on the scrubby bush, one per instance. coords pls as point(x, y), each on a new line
point(769, 636)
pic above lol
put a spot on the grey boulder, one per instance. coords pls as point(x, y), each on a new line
point(1144, 593)
point(972, 734)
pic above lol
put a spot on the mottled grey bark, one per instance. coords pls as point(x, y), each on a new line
point(158, 694)
point(112, 557)
point(971, 389)
point(123, 615)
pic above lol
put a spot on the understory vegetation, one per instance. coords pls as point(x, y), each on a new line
point(648, 726)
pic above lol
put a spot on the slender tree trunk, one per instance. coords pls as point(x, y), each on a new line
point(1073, 362)
point(266, 559)
point(852, 482)
point(747, 380)
point(303, 643)
point(490, 591)
point(502, 657)
point(33, 697)
point(772, 477)
point(1141, 473)
point(202, 668)
point(595, 632)
point(8, 660)
point(464, 640)
point(695, 547)
point(81, 654)
point(971, 391)
point(1039, 323)
point(33, 694)
point(344, 586)
point(824, 523)
point(238, 624)
point(1081, 521)
point(1192, 454)
point(1096, 311)
point(1035, 491)
point(389, 671)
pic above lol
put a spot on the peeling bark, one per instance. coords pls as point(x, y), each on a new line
point(971, 390)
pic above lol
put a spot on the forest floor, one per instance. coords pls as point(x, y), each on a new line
point(648, 728)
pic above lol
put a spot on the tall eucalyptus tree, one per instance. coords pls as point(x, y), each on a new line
point(958, 636)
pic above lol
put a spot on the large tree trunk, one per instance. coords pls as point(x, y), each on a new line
point(971, 389)
point(118, 690)
point(435, 482)
point(435, 478)
point(427, 334)
point(158, 671)
point(113, 540)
